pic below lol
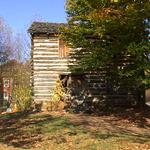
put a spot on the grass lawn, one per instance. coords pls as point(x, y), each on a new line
point(122, 130)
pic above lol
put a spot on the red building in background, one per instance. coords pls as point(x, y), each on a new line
point(5, 90)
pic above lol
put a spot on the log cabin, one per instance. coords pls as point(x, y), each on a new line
point(50, 61)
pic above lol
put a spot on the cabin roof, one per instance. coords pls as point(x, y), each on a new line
point(45, 27)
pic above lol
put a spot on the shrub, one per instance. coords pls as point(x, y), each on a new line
point(57, 100)
point(22, 98)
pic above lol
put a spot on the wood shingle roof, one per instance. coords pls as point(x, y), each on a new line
point(45, 27)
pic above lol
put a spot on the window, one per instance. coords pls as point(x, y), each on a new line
point(6, 83)
point(74, 84)
point(6, 96)
point(63, 49)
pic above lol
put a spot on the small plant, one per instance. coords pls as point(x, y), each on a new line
point(57, 99)
point(59, 91)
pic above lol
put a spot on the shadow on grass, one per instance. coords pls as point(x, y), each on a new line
point(138, 116)
point(129, 124)
point(128, 136)
point(24, 130)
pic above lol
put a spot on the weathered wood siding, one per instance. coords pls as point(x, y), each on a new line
point(102, 90)
point(46, 65)
point(49, 61)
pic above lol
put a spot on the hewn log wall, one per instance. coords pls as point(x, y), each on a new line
point(46, 65)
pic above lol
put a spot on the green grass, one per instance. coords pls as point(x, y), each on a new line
point(56, 132)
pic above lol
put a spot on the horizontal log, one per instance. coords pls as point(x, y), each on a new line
point(50, 60)
point(97, 96)
point(54, 59)
point(37, 51)
point(92, 80)
point(45, 44)
point(57, 67)
point(98, 88)
point(45, 53)
point(42, 37)
point(45, 49)
point(46, 72)
point(54, 71)
point(45, 56)
point(37, 79)
point(39, 100)
point(52, 65)
point(44, 86)
point(43, 76)
point(45, 41)
point(42, 99)
point(43, 81)
point(42, 94)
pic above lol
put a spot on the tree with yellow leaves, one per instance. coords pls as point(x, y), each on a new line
point(108, 30)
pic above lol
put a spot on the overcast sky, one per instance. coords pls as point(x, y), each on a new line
point(20, 13)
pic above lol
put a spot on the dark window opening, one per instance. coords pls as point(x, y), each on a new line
point(73, 82)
